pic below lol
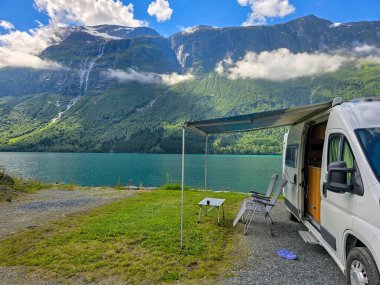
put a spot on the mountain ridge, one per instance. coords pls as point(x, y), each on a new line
point(121, 89)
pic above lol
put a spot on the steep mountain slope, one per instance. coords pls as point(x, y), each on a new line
point(202, 47)
point(81, 108)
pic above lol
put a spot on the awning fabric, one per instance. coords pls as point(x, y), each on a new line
point(258, 121)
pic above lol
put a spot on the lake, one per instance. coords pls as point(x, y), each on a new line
point(240, 173)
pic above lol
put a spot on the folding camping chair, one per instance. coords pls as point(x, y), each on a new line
point(256, 195)
point(263, 206)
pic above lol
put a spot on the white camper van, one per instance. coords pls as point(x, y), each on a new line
point(332, 164)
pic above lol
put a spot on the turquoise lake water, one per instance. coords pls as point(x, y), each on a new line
point(240, 173)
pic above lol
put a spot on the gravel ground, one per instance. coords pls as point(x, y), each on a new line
point(262, 265)
point(37, 209)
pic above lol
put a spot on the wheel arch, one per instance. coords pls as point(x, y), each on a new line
point(354, 240)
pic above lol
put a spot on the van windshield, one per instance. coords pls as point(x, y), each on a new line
point(370, 141)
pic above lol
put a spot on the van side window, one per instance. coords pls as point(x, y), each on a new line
point(334, 145)
point(348, 157)
point(340, 150)
point(291, 156)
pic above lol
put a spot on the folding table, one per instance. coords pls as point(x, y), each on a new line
point(212, 203)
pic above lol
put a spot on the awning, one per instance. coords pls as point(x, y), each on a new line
point(245, 123)
point(258, 121)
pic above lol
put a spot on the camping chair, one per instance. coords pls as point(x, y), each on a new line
point(256, 195)
point(263, 206)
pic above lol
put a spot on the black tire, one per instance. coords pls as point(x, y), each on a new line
point(291, 217)
point(359, 259)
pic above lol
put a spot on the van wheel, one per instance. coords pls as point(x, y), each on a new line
point(291, 217)
point(361, 268)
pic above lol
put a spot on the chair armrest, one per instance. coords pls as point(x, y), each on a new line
point(263, 202)
point(259, 196)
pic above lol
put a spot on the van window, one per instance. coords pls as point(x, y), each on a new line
point(348, 157)
point(340, 150)
point(291, 156)
point(334, 144)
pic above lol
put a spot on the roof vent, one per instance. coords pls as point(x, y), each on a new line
point(337, 101)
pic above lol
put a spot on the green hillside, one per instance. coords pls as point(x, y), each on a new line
point(147, 118)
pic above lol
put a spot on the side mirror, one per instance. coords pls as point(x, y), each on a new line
point(337, 177)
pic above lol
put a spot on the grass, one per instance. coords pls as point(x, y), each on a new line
point(11, 186)
point(134, 241)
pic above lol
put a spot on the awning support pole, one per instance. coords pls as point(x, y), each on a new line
point(182, 183)
point(206, 152)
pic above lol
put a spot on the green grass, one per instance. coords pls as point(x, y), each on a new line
point(134, 241)
point(11, 186)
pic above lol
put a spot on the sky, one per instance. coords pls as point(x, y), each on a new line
point(170, 16)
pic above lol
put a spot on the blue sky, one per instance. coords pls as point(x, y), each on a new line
point(23, 15)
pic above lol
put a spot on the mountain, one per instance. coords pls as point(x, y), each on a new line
point(120, 89)
point(202, 47)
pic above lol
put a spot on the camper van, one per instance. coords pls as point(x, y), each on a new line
point(332, 164)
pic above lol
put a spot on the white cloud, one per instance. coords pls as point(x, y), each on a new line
point(188, 30)
point(147, 77)
point(174, 78)
point(22, 48)
point(280, 65)
point(263, 9)
point(6, 25)
point(227, 61)
point(21, 59)
point(161, 10)
point(370, 59)
point(89, 12)
point(364, 49)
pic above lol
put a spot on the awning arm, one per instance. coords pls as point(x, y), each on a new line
point(182, 182)
point(206, 152)
point(195, 130)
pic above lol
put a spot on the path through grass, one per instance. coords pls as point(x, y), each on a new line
point(134, 241)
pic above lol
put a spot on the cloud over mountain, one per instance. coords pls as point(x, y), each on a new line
point(279, 65)
point(22, 49)
point(263, 9)
point(147, 77)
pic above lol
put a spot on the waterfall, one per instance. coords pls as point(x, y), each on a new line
point(91, 65)
point(84, 77)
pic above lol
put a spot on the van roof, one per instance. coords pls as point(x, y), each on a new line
point(360, 113)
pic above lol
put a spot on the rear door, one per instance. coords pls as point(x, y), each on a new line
point(292, 165)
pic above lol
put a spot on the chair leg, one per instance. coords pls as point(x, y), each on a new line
point(249, 219)
point(269, 229)
point(271, 221)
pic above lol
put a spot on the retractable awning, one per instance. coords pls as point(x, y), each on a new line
point(246, 123)
point(258, 121)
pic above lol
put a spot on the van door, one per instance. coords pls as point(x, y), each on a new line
point(337, 209)
point(291, 169)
